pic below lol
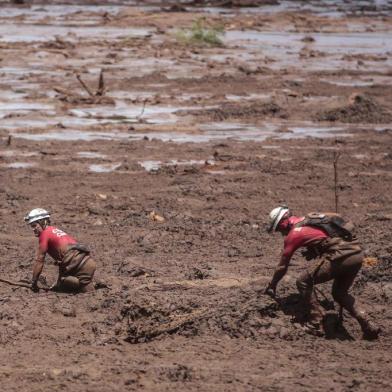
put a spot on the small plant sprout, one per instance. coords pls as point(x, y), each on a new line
point(201, 35)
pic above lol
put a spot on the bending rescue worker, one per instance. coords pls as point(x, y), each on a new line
point(328, 239)
point(76, 266)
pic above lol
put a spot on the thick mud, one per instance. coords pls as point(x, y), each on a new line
point(166, 157)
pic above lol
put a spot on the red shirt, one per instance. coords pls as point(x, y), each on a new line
point(55, 242)
point(300, 236)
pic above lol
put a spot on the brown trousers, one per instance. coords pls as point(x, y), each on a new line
point(80, 278)
point(343, 272)
point(85, 274)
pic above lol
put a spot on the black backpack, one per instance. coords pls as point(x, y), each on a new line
point(333, 224)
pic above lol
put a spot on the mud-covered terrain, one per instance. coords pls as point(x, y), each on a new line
point(165, 153)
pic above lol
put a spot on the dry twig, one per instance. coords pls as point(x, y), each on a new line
point(84, 85)
point(335, 168)
point(101, 85)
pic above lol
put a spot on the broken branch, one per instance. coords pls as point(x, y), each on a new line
point(26, 285)
point(101, 85)
point(142, 112)
point(84, 85)
point(335, 168)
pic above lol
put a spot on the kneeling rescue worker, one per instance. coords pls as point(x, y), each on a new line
point(327, 238)
point(76, 266)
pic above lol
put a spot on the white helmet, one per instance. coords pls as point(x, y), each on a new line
point(36, 214)
point(276, 216)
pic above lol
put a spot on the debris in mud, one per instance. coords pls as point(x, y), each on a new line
point(234, 3)
point(233, 252)
point(75, 98)
point(376, 273)
point(157, 323)
point(59, 45)
point(230, 111)
point(224, 157)
point(97, 97)
point(174, 8)
point(66, 309)
point(370, 261)
point(361, 109)
point(255, 317)
point(102, 196)
point(179, 373)
point(138, 271)
point(135, 271)
point(196, 273)
point(95, 210)
point(101, 285)
point(380, 216)
point(155, 217)
point(251, 69)
point(308, 38)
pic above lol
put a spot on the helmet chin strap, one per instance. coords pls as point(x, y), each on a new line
point(43, 223)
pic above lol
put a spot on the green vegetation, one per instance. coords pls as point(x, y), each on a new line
point(201, 35)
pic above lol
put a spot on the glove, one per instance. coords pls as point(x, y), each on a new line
point(34, 286)
point(270, 290)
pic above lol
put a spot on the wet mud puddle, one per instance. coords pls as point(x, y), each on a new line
point(208, 132)
point(39, 120)
point(320, 51)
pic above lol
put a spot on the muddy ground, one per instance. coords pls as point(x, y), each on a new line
point(168, 170)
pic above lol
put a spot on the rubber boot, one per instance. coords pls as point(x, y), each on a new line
point(70, 283)
point(316, 319)
point(369, 329)
point(315, 315)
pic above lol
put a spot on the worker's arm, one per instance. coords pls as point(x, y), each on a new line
point(280, 271)
point(37, 268)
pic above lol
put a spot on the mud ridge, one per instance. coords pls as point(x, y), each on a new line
point(237, 111)
point(362, 109)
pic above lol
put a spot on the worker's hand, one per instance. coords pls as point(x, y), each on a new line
point(271, 290)
point(34, 286)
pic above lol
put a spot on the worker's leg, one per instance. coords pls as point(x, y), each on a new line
point(305, 283)
point(346, 271)
point(81, 279)
point(69, 284)
point(85, 275)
